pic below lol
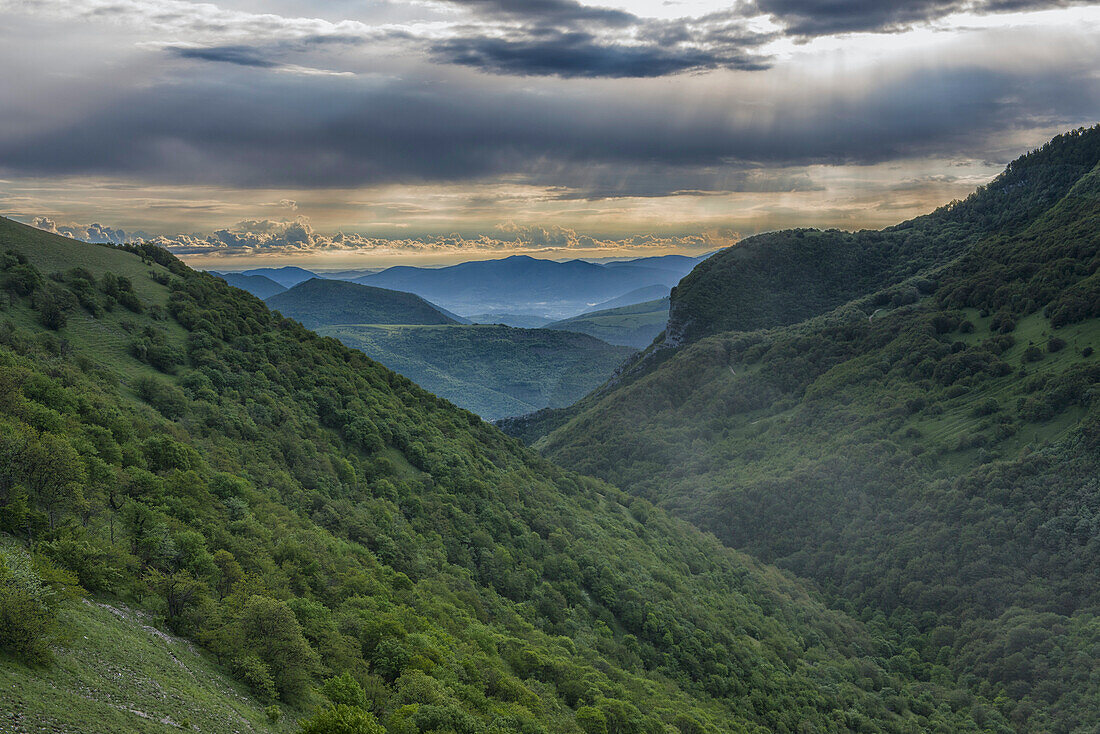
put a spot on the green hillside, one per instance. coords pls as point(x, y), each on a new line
point(321, 302)
point(928, 453)
point(635, 326)
point(329, 534)
point(494, 371)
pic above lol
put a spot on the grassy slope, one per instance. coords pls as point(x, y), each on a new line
point(321, 302)
point(636, 325)
point(480, 585)
point(104, 340)
point(494, 371)
point(900, 462)
point(114, 671)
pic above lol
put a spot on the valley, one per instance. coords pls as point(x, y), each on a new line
point(861, 498)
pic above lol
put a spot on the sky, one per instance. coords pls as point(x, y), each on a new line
point(334, 133)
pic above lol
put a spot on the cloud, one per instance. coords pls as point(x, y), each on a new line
point(329, 132)
point(296, 237)
point(578, 54)
point(201, 21)
point(570, 40)
point(239, 55)
point(523, 38)
point(551, 11)
point(826, 17)
point(830, 17)
point(88, 232)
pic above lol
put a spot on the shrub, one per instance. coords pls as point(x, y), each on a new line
point(28, 614)
point(1056, 344)
point(344, 689)
point(255, 674)
point(1033, 354)
point(153, 348)
point(53, 305)
point(988, 406)
point(1002, 323)
point(21, 280)
point(168, 399)
point(341, 719)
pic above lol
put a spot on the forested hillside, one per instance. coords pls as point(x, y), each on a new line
point(929, 452)
point(785, 277)
point(319, 302)
point(353, 549)
point(494, 371)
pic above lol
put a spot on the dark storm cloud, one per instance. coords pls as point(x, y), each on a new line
point(827, 17)
point(578, 54)
point(567, 39)
point(239, 55)
point(259, 131)
point(824, 17)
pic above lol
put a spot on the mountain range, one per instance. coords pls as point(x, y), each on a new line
point(518, 291)
point(525, 285)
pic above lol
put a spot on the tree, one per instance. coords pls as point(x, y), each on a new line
point(180, 591)
point(229, 571)
point(591, 720)
point(342, 719)
point(268, 629)
point(27, 607)
point(54, 473)
point(344, 690)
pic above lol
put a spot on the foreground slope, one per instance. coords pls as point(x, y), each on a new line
point(494, 371)
point(929, 453)
point(307, 515)
point(320, 302)
point(113, 671)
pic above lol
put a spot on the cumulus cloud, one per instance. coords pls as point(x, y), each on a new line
point(296, 237)
point(96, 233)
